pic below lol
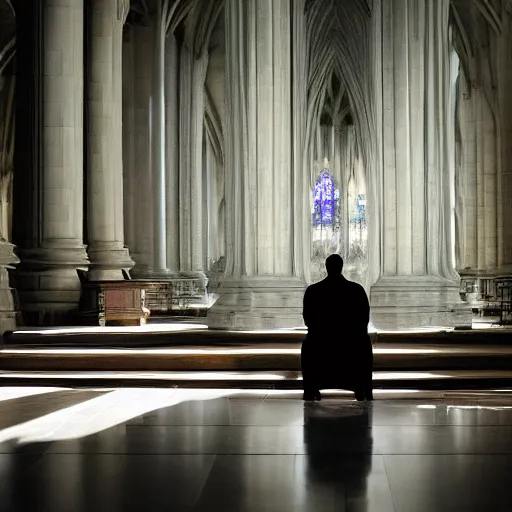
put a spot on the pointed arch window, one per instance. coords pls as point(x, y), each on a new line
point(326, 202)
point(326, 209)
point(359, 213)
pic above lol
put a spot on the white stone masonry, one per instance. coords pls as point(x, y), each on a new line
point(261, 288)
point(48, 283)
point(107, 251)
point(418, 284)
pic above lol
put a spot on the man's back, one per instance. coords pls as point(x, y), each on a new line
point(336, 306)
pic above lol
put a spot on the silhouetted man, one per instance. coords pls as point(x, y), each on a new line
point(337, 352)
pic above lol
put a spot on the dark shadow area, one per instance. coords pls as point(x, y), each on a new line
point(339, 444)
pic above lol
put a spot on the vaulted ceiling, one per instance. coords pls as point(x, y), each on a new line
point(7, 33)
point(339, 44)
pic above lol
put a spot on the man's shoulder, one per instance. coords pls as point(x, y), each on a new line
point(354, 285)
point(355, 288)
point(313, 287)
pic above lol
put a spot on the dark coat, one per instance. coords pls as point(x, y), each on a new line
point(337, 352)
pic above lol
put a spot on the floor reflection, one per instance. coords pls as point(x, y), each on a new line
point(252, 451)
point(339, 445)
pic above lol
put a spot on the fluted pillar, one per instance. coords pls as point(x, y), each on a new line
point(130, 170)
point(141, 202)
point(418, 284)
point(191, 125)
point(105, 219)
point(503, 67)
point(172, 153)
point(158, 168)
point(8, 259)
point(476, 198)
point(261, 288)
point(48, 191)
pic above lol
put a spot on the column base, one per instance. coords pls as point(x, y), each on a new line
point(48, 284)
point(412, 302)
point(252, 303)
point(108, 260)
point(9, 307)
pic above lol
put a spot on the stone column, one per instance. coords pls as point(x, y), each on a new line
point(503, 73)
point(302, 193)
point(172, 153)
point(261, 288)
point(477, 247)
point(49, 161)
point(158, 167)
point(191, 126)
point(107, 252)
point(142, 251)
point(418, 284)
point(129, 151)
point(8, 259)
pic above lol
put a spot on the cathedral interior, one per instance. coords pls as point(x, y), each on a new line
point(227, 148)
point(173, 175)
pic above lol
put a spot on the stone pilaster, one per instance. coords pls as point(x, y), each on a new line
point(129, 150)
point(261, 288)
point(191, 125)
point(105, 218)
point(141, 202)
point(49, 160)
point(9, 307)
point(418, 284)
point(158, 168)
point(503, 70)
point(172, 153)
point(476, 180)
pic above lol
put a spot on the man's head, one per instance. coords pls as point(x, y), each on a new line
point(334, 265)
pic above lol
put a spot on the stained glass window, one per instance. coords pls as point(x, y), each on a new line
point(357, 230)
point(359, 213)
point(326, 202)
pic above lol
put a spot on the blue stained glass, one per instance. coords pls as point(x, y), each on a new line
point(326, 200)
point(359, 214)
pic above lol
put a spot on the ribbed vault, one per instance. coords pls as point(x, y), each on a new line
point(7, 33)
point(339, 35)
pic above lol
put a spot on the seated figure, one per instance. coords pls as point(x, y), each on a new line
point(337, 351)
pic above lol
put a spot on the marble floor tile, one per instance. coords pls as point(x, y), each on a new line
point(437, 440)
point(309, 483)
point(112, 483)
point(450, 483)
point(189, 439)
point(26, 408)
point(274, 411)
point(404, 414)
point(479, 415)
point(268, 483)
point(220, 411)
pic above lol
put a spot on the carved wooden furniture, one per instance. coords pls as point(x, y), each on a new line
point(504, 286)
point(178, 294)
point(114, 302)
point(129, 301)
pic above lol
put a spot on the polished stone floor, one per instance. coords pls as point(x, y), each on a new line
point(112, 450)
